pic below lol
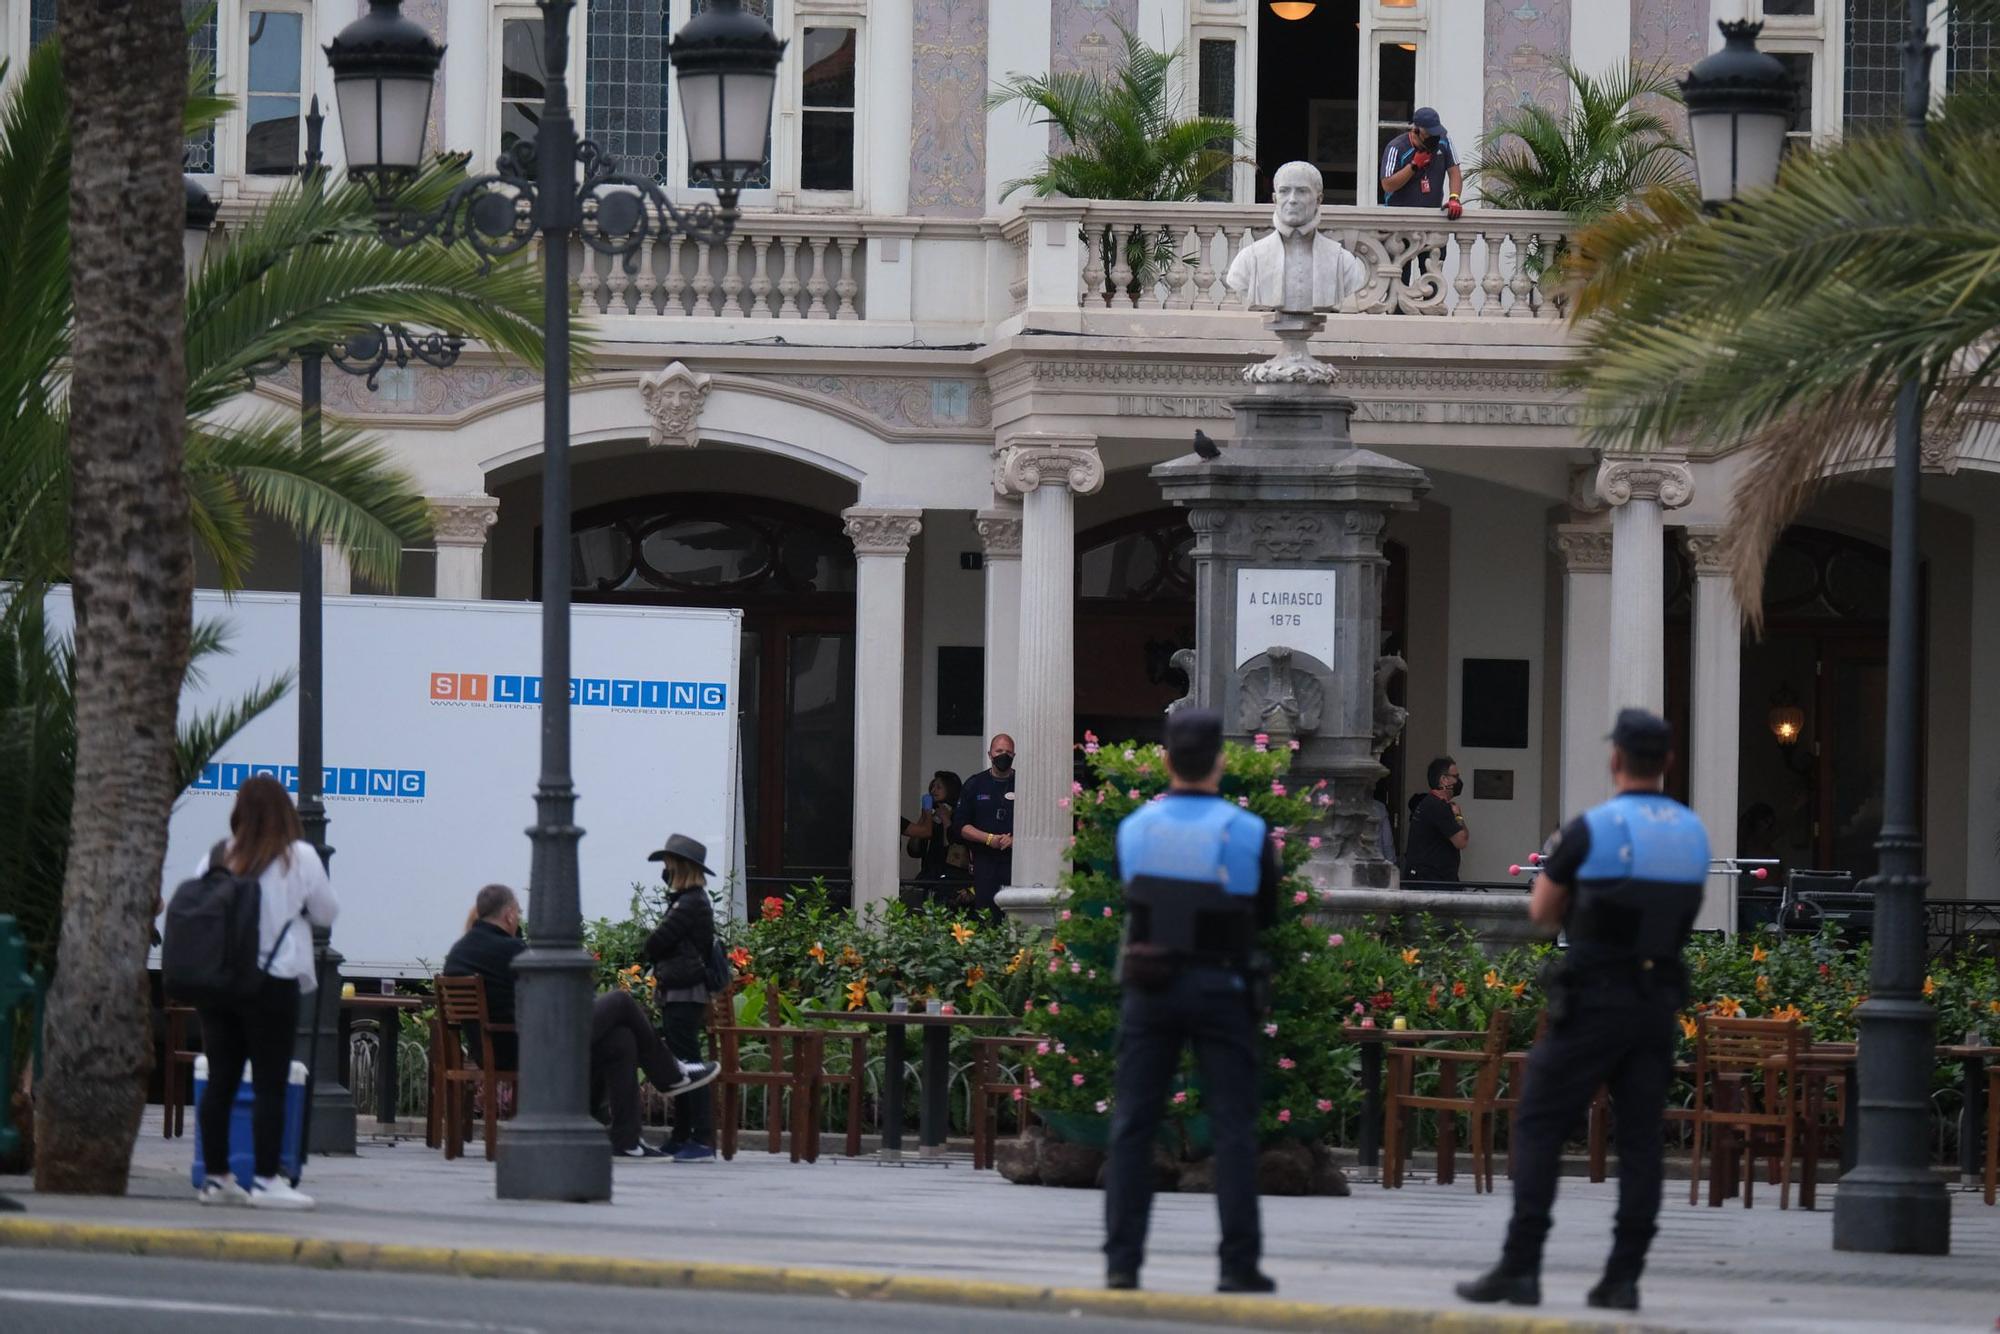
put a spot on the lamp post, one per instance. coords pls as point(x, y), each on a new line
point(383, 68)
point(1890, 1200)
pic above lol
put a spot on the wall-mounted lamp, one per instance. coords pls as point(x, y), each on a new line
point(1293, 9)
point(1787, 719)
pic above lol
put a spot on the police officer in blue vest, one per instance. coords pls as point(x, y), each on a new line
point(1201, 880)
point(1624, 881)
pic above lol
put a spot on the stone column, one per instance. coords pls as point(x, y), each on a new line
point(1640, 491)
point(881, 540)
point(1585, 553)
point(1715, 730)
point(1000, 540)
point(1047, 472)
point(460, 524)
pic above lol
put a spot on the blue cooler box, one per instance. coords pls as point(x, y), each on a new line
point(242, 1156)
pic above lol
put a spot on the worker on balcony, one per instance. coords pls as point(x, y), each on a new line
point(1417, 167)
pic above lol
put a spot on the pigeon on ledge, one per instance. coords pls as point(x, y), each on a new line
point(1206, 447)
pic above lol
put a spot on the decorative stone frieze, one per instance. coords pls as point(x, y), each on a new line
point(1583, 550)
point(1622, 480)
point(462, 521)
point(882, 532)
point(674, 398)
point(1028, 462)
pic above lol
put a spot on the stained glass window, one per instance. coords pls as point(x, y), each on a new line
point(199, 155)
point(1874, 90)
point(625, 85)
point(1216, 96)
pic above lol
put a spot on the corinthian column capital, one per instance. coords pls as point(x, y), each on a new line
point(1704, 548)
point(1027, 462)
point(999, 534)
point(462, 521)
point(1582, 549)
point(882, 532)
point(1622, 480)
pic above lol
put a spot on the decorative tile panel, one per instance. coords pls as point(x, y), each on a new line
point(1673, 33)
point(948, 131)
point(1522, 39)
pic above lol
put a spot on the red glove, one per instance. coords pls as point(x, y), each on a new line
point(1453, 209)
point(1420, 159)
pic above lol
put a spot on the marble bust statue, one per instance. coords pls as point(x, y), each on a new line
point(1294, 268)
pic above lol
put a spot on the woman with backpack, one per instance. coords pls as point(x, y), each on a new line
point(679, 951)
point(266, 846)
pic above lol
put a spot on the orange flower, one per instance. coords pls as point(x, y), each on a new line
point(1993, 1007)
point(1763, 984)
point(1930, 986)
point(850, 957)
point(1791, 1012)
point(1519, 989)
point(857, 993)
point(1492, 980)
point(740, 958)
point(974, 975)
point(1758, 954)
point(817, 953)
point(1410, 957)
point(1688, 1027)
point(1458, 990)
point(1434, 996)
point(1728, 1007)
point(1019, 961)
point(774, 908)
point(1055, 947)
point(960, 932)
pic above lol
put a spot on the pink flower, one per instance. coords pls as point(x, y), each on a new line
point(1089, 736)
point(1244, 802)
point(1100, 796)
point(1041, 1049)
point(1180, 1097)
point(1130, 756)
point(1145, 768)
point(1076, 1080)
point(1075, 786)
point(1284, 1116)
point(1055, 965)
point(1063, 802)
point(1368, 1023)
point(1102, 1108)
point(1287, 1063)
point(1277, 788)
point(1091, 975)
point(1055, 1007)
point(1313, 842)
point(1320, 784)
point(1335, 941)
point(1133, 794)
point(1270, 1030)
point(1280, 831)
point(1359, 1008)
point(1324, 1105)
point(1018, 1095)
point(1075, 967)
point(1065, 914)
point(1295, 743)
point(1034, 1083)
point(1300, 896)
point(1107, 910)
point(1060, 1049)
point(1262, 741)
point(1278, 843)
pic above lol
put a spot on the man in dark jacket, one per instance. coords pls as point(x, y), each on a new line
point(622, 1040)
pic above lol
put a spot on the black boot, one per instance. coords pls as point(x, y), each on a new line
point(1122, 1280)
point(1615, 1294)
point(1498, 1285)
point(1246, 1280)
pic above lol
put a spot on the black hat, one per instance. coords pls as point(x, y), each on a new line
point(685, 848)
point(1642, 733)
point(1194, 738)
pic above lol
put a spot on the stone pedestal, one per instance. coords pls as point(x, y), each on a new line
point(1288, 576)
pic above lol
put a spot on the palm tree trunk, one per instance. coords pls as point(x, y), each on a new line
point(132, 568)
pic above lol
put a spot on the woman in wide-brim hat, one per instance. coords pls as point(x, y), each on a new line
point(678, 951)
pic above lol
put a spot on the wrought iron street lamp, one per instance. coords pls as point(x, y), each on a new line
point(200, 220)
point(1890, 1201)
point(1739, 103)
point(726, 65)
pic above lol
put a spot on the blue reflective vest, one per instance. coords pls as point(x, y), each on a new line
point(1191, 864)
point(1640, 883)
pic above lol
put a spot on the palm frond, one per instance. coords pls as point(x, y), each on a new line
point(1608, 146)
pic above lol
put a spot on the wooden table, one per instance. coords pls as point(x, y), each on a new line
point(1371, 1039)
point(1820, 1063)
point(387, 1013)
point(934, 1117)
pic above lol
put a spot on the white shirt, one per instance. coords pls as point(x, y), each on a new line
point(291, 890)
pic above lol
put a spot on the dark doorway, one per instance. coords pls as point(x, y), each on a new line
point(791, 571)
point(1308, 96)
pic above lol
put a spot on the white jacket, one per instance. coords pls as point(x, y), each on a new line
point(292, 886)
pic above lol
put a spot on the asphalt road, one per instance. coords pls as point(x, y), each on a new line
point(54, 1292)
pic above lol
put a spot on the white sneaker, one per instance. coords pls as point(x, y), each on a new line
point(699, 1074)
point(277, 1193)
point(222, 1190)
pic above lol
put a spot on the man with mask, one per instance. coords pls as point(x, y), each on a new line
point(984, 821)
point(1437, 827)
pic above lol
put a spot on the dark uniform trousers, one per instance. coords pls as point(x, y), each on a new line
point(1619, 1037)
point(1209, 1007)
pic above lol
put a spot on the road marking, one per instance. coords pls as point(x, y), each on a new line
point(32, 1297)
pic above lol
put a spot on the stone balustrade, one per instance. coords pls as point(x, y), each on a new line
point(1105, 256)
point(779, 266)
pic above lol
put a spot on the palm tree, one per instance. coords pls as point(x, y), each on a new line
point(1611, 145)
point(121, 442)
point(1124, 137)
point(1784, 325)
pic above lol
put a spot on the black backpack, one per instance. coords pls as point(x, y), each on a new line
point(716, 972)
point(209, 956)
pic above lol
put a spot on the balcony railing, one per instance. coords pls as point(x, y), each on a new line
point(1095, 256)
point(777, 266)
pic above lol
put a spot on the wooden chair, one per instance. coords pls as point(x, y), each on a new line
point(1400, 1100)
point(1729, 1053)
point(176, 1071)
point(795, 1074)
point(462, 1001)
point(1992, 1130)
point(988, 1085)
point(434, 1104)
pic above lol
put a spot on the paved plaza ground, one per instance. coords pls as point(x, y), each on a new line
point(1713, 1269)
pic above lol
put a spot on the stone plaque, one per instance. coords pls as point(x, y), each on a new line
point(1294, 608)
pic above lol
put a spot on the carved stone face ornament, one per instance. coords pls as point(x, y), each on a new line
point(674, 398)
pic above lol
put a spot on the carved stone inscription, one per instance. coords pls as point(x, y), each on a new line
point(1293, 608)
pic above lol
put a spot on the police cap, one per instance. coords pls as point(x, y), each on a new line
point(1194, 739)
point(1642, 734)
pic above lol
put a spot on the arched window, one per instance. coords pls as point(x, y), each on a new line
point(698, 545)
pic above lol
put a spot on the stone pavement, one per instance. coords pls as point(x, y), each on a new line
point(1713, 1269)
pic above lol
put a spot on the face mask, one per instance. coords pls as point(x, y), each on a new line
point(666, 877)
point(1457, 786)
point(1003, 761)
